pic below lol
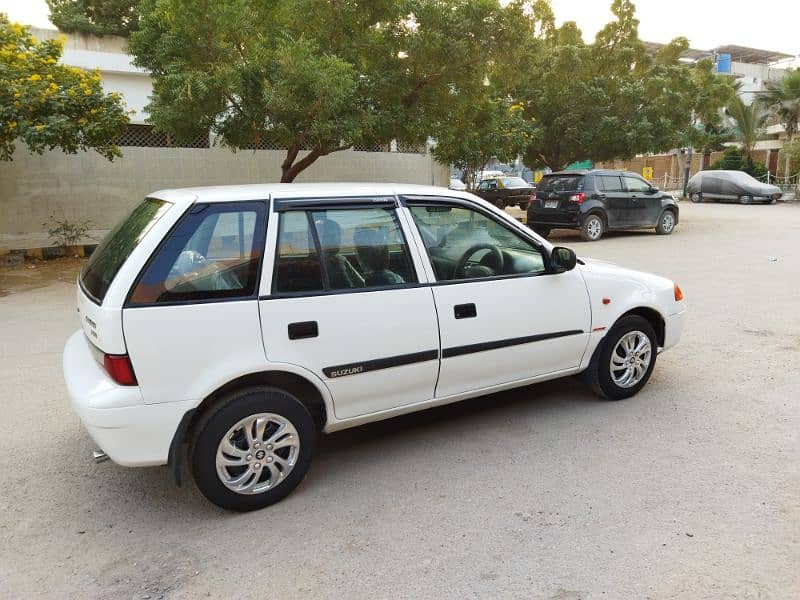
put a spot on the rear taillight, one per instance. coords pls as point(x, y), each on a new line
point(120, 369)
point(577, 198)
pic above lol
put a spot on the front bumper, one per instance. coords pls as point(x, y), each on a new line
point(673, 327)
point(132, 433)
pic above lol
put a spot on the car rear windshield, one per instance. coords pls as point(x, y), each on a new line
point(561, 183)
point(117, 246)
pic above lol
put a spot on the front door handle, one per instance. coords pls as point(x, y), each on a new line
point(303, 330)
point(465, 311)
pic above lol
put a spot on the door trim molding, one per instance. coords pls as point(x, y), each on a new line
point(356, 368)
point(494, 345)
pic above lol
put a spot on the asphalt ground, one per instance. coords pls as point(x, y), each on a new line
point(690, 490)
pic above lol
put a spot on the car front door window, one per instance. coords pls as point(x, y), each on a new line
point(466, 244)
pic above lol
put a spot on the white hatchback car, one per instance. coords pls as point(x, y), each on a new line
point(243, 320)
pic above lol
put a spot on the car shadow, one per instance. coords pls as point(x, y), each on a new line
point(151, 493)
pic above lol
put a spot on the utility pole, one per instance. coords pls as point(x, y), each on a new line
point(686, 170)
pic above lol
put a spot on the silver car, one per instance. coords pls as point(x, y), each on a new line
point(737, 186)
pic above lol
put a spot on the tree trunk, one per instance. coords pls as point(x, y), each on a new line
point(291, 169)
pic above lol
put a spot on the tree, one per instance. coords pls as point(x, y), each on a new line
point(612, 99)
point(791, 153)
point(749, 121)
point(480, 132)
point(733, 159)
point(96, 17)
point(783, 98)
point(312, 77)
point(48, 105)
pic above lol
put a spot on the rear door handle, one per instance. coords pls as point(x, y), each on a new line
point(303, 330)
point(465, 311)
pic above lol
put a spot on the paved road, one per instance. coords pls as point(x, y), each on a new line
point(689, 490)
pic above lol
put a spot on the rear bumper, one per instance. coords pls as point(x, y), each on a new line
point(554, 218)
point(132, 433)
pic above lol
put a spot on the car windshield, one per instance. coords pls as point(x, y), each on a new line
point(115, 248)
point(560, 183)
point(513, 182)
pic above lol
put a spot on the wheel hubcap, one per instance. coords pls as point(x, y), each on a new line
point(630, 359)
point(667, 221)
point(257, 453)
point(594, 227)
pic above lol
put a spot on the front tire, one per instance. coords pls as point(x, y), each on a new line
point(666, 222)
point(623, 363)
point(252, 449)
point(696, 197)
point(593, 227)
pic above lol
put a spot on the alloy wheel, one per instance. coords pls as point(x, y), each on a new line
point(630, 359)
point(257, 453)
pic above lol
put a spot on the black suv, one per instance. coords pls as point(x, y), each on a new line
point(598, 200)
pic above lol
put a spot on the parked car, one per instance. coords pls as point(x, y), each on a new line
point(506, 191)
point(596, 201)
point(241, 321)
point(457, 184)
point(730, 185)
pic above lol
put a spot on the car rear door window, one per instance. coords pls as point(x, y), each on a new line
point(609, 183)
point(213, 253)
point(360, 248)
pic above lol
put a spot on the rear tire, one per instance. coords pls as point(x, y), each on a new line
point(607, 378)
point(666, 222)
point(696, 197)
point(542, 230)
point(265, 429)
point(593, 227)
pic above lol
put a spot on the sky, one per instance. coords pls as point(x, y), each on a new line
point(767, 24)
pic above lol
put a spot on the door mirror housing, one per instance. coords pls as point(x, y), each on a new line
point(563, 259)
point(653, 189)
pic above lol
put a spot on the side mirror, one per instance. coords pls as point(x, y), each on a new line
point(653, 189)
point(563, 259)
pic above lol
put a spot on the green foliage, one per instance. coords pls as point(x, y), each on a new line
point(313, 76)
point(48, 105)
point(63, 232)
point(791, 151)
point(749, 121)
point(479, 132)
point(783, 98)
point(612, 100)
point(734, 160)
point(96, 17)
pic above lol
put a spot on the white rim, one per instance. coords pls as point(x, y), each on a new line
point(257, 454)
point(668, 221)
point(630, 359)
point(594, 227)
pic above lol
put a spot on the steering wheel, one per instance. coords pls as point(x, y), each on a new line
point(495, 252)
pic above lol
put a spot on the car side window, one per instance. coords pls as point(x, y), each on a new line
point(463, 243)
point(634, 184)
point(341, 249)
point(213, 253)
point(609, 183)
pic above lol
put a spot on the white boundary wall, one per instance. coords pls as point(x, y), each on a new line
point(86, 186)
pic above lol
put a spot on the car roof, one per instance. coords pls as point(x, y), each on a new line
point(592, 172)
point(262, 191)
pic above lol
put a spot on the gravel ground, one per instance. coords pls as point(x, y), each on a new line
point(689, 490)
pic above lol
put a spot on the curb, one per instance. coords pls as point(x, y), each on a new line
point(18, 256)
